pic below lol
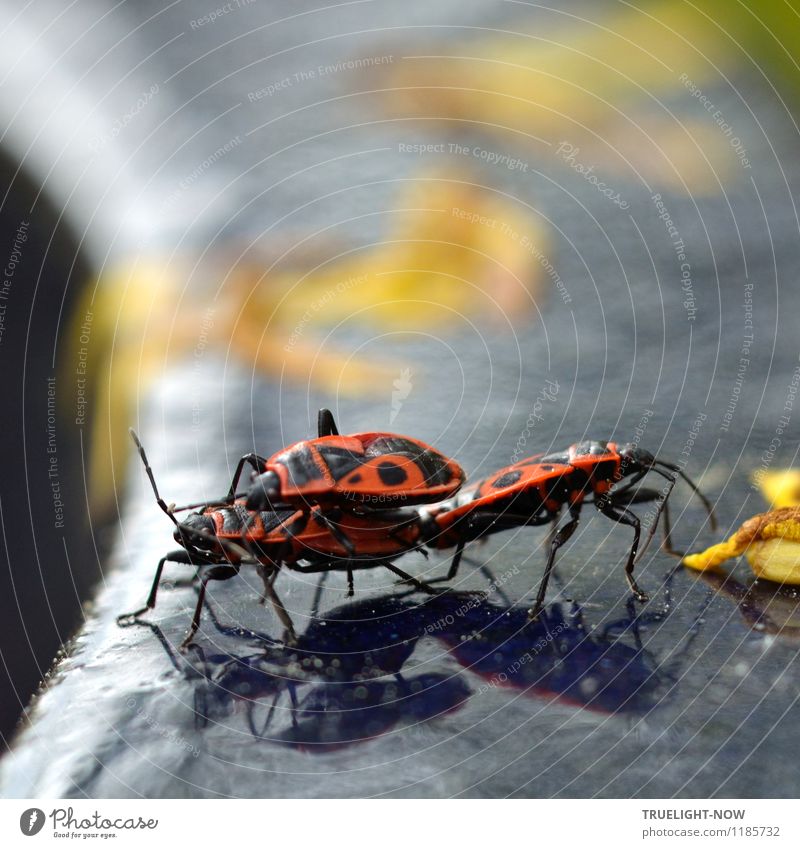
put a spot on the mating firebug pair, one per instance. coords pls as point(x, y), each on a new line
point(343, 503)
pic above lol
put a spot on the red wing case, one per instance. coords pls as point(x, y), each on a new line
point(374, 469)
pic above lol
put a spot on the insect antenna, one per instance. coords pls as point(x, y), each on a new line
point(661, 506)
point(226, 501)
point(186, 531)
point(694, 487)
point(159, 500)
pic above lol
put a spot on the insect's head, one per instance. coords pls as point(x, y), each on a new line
point(196, 531)
point(635, 459)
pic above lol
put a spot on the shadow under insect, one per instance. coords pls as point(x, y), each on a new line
point(345, 680)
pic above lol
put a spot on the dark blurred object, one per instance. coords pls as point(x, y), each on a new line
point(47, 563)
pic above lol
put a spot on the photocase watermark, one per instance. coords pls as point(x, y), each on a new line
point(164, 732)
point(320, 72)
point(319, 304)
point(52, 454)
point(679, 247)
point(100, 141)
point(20, 237)
point(782, 426)
point(32, 821)
point(65, 824)
point(190, 179)
point(569, 153)
point(547, 394)
point(743, 365)
point(80, 370)
point(233, 6)
point(401, 389)
point(524, 241)
point(719, 119)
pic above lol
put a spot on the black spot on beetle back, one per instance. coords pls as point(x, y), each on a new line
point(507, 479)
point(391, 474)
point(431, 464)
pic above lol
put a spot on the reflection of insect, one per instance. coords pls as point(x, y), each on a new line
point(377, 470)
point(346, 677)
point(533, 491)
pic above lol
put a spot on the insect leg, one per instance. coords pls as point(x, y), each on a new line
point(293, 698)
point(318, 594)
point(289, 636)
point(253, 459)
point(626, 498)
point(271, 712)
point(326, 425)
point(454, 564)
point(266, 574)
point(622, 488)
point(218, 572)
point(645, 496)
point(180, 556)
point(558, 540)
point(341, 537)
point(407, 578)
point(624, 516)
point(666, 543)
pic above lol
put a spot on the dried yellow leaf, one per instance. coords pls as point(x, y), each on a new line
point(770, 541)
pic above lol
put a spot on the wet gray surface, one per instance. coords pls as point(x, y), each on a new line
point(693, 695)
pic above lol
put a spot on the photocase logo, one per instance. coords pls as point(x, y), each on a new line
point(402, 389)
point(31, 821)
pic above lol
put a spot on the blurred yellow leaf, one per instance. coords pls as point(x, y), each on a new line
point(780, 487)
point(454, 249)
point(456, 252)
point(605, 87)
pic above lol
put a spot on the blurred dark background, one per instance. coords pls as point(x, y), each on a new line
point(48, 561)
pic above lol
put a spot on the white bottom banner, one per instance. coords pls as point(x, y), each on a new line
point(400, 824)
